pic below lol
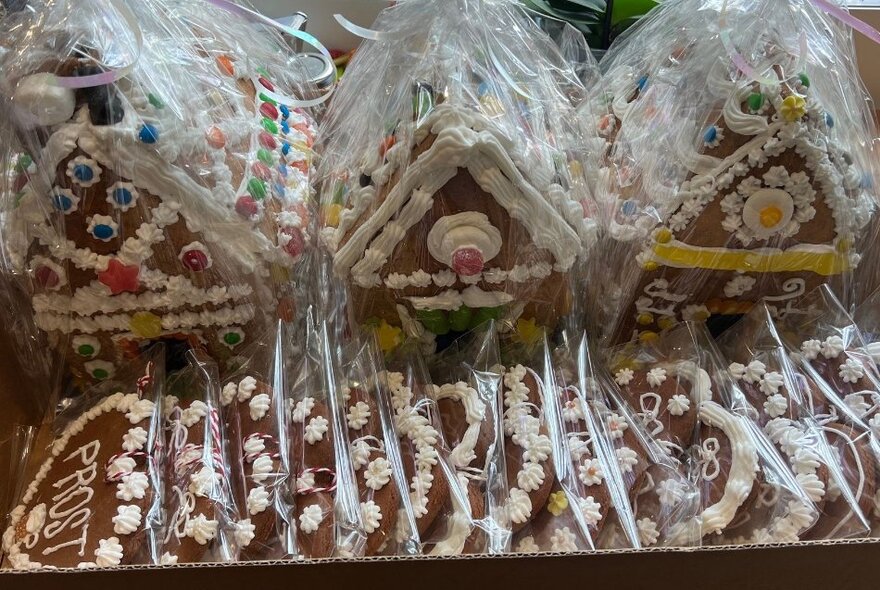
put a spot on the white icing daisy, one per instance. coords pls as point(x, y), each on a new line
point(801, 515)
point(832, 347)
point(254, 445)
point(776, 405)
point(108, 553)
point(754, 371)
point(140, 410)
point(804, 461)
point(228, 393)
point(591, 510)
point(851, 371)
point(627, 458)
point(563, 541)
point(201, 483)
point(530, 477)
point(527, 545)
point(244, 532)
point(316, 429)
point(812, 485)
point(371, 514)
point(358, 415)
point(670, 492)
point(257, 500)
point(246, 388)
point(132, 487)
point(127, 519)
point(201, 529)
point(303, 409)
point(134, 439)
point(590, 473)
point(771, 382)
point(259, 406)
point(194, 413)
point(311, 518)
point(624, 376)
point(378, 473)
point(616, 425)
point(737, 370)
point(811, 349)
point(538, 448)
point(678, 404)
point(656, 376)
point(572, 411)
point(360, 454)
point(857, 403)
point(305, 481)
point(262, 468)
point(648, 533)
point(518, 506)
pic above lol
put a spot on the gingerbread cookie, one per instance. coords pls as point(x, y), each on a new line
point(253, 429)
point(89, 502)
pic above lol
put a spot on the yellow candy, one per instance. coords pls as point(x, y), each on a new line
point(645, 319)
point(770, 216)
point(557, 503)
point(650, 265)
point(666, 322)
point(575, 168)
point(146, 325)
point(842, 245)
point(279, 273)
point(528, 332)
point(389, 336)
point(793, 108)
point(648, 336)
point(663, 235)
point(331, 215)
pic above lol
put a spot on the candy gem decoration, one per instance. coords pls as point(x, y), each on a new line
point(122, 195)
point(83, 171)
point(292, 240)
point(467, 261)
point(231, 337)
point(195, 257)
point(86, 346)
point(146, 325)
point(120, 278)
point(100, 370)
point(712, 137)
point(64, 200)
point(793, 108)
point(102, 227)
point(148, 134)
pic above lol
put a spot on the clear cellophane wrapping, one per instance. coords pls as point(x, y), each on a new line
point(166, 200)
point(93, 498)
point(748, 493)
point(458, 193)
point(740, 164)
point(794, 417)
point(201, 519)
point(830, 354)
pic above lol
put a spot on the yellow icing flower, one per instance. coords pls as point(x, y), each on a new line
point(663, 235)
point(390, 336)
point(666, 322)
point(648, 336)
point(331, 214)
point(793, 108)
point(146, 324)
point(557, 503)
point(528, 332)
point(645, 319)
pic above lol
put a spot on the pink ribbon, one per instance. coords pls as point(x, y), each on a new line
point(848, 19)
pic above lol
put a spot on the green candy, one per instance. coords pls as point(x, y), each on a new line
point(24, 162)
point(263, 72)
point(86, 350)
point(256, 188)
point(755, 101)
point(805, 80)
point(100, 374)
point(265, 156)
point(231, 338)
point(460, 319)
point(270, 125)
point(155, 101)
point(484, 314)
point(265, 98)
point(434, 321)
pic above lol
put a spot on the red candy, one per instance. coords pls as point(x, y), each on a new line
point(195, 260)
point(216, 138)
point(20, 181)
point(267, 141)
point(266, 84)
point(46, 277)
point(269, 110)
point(246, 207)
point(261, 171)
point(297, 242)
point(120, 278)
point(467, 262)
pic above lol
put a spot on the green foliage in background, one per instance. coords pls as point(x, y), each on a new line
point(599, 20)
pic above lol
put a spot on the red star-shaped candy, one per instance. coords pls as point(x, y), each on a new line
point(120, 278)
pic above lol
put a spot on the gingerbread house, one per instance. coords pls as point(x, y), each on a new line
point(454, 224)
point(766, 204)
point(141, 217)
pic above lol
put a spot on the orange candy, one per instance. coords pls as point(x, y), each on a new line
point(216, 138)
point(226, 65)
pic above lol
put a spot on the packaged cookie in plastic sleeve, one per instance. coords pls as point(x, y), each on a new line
point(748, 493)
point(867, 319)
point(782, 404)
point(438, 496)
point(255, 415)
point(163, 177)
point(457, 196)
point(201, 521)
point(742, 167)
point(95, 499)
point(467, 390)
point(382, 485)
point(829, 350)
point(327, 506)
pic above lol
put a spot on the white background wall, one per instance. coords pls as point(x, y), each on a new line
point(362, 12)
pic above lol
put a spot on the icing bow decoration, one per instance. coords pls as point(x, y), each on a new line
point(709, 459)
point(650, 404)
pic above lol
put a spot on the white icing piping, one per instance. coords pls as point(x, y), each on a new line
point(475, 412)
point(521, 273)
point(473, 297)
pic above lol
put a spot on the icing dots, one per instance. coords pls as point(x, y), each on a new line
point(64, 200)
point(100, 370)
point(86, 346)
point(712, 136)
point(83, 171)
point(231, 337)
point(122, 195)
point(102, 227)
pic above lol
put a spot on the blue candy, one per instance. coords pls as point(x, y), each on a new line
point(148, 133)
point(83, 173)
point(103, 232)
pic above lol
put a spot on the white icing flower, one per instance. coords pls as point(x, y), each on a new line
point(530, 477)
point(563, 541)
point(754, 371)
point(194, 413)
point(678, 404)
point(811, 349)
point(360, 454)
point(656, 376)
point(785, 531)
point(35, 521)
point(776, 405)
point(257, 500)
point(801, 515)
point(316, 429)
point(358, 415)
point(832, 347)
point(254, 445)
point(527, 545)
point(771, 382)
point(201, 529)
point(578, 448)
point(140, 410)
point(121, 465)
point(303, 409)
point(804, 461)
point(624, 376)
point(739, 285)
point(648, 533)
point(108, 553)
point(305, 481)
point(627, 458)
point(538, 448)
point(572, 411)
point(762, 536)
point(616, 425)
point(202, 482)
point(812, 485)
point(737, 370)
point(127, 519)
point(874, 423)
point(244, 532)
point(590, 473)
point(424, 437)
point(133, 486)
point(228, 393)
point(246, 388)
point(378, 473)
point(311, 518)
point(591, 510)
point(168, 559)
point(371, 515)
point(262, 468)
point(670, 492)
point(134, 439)
point(694, 312)
point(259, 406)
point(851, 371)
point(518, 506)
point(857, 404)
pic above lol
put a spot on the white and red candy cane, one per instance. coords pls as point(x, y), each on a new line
point(118, 475)
point(304, 491)
point(251, 457)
